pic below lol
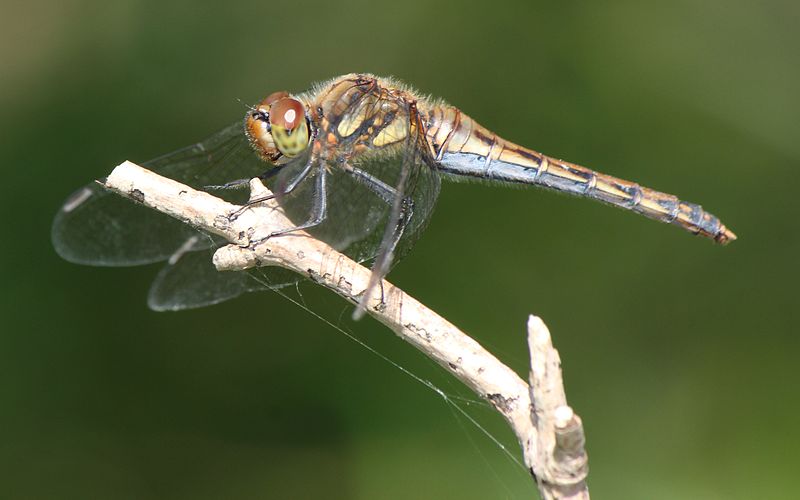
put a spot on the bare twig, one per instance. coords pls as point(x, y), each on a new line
point(550, 434)
point(558, 459)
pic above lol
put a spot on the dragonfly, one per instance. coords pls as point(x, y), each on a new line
point(356, 161)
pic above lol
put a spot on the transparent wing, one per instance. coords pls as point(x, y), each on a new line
point(97, 227)
point(190, 280)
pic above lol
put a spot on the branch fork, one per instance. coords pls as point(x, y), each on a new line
point(550, 433)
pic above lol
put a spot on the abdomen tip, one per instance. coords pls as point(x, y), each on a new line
point(724, 236)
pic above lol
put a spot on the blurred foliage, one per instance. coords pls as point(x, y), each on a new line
point(680, 356)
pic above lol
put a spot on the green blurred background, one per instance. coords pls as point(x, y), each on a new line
point(680, 356)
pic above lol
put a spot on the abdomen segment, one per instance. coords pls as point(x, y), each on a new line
point(464, 148)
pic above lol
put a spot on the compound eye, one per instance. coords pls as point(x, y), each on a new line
point(286, 113)
point(274, 97)
point(288, 126)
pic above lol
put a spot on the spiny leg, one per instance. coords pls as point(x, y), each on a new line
point(388, 194)
point(319, 208)
point(403, 209)
point(386, 255)
point(384, 191)
point(406, 212)
point(240, 183)
point(288, 189)
point(414, 157)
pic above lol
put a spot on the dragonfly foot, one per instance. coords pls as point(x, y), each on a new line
point(239, 211)
point(255, 243)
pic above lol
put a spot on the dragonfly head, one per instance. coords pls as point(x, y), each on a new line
point(278, 126)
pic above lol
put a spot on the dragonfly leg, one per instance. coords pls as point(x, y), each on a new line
point(384, 258)
point(406, 212)
point(319, 209)
point(384, 191)
point(240, 183)
point(286, 190)
point(388, 194)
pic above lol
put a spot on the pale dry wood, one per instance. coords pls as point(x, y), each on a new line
point(549, 432)
point(558, 460)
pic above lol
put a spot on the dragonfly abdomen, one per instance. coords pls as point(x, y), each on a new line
point(464, 148)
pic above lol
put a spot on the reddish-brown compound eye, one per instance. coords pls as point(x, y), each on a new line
point(288, 127)
point(286, 113)
point(274, 97)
